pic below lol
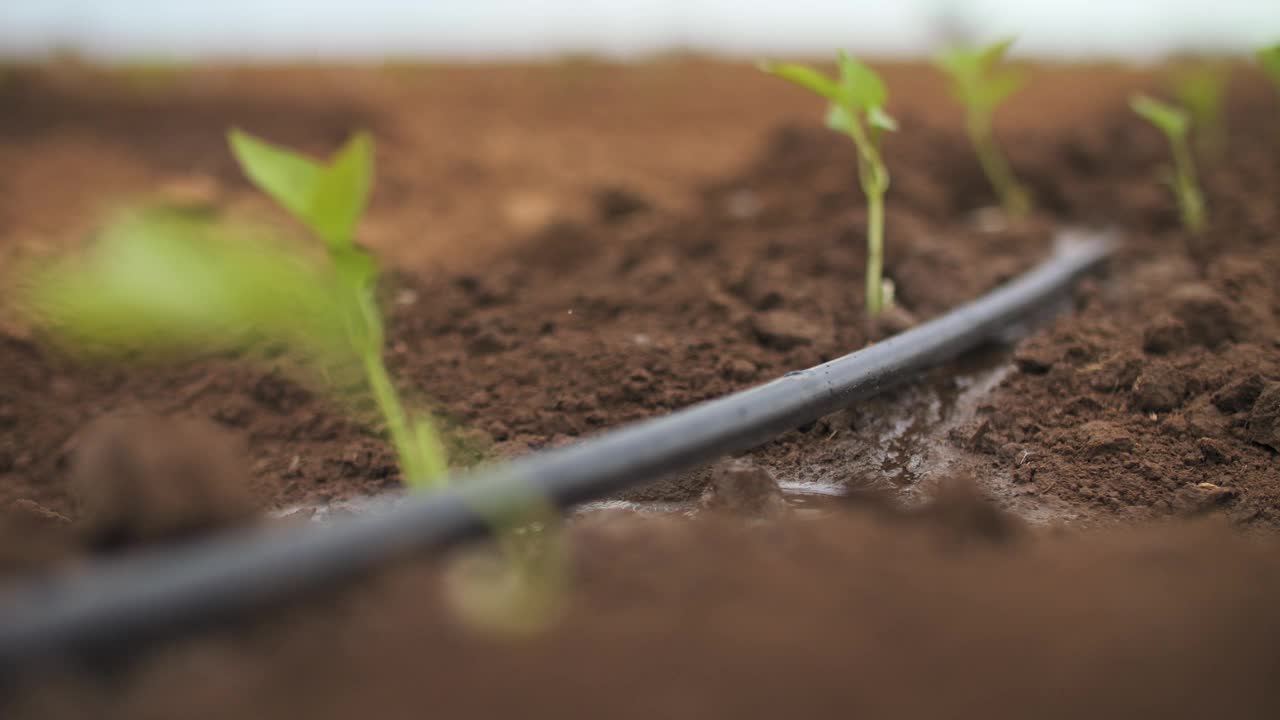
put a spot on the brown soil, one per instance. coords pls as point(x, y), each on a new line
point(573, 279)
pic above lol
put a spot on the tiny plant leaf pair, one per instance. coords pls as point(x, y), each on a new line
point(1175, 123)
point(858, 97)
point(981, 83)
point(330, 199)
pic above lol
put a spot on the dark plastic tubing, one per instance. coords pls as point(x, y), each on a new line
point(114, 606)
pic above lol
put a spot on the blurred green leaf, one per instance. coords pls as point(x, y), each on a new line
point(1168, 118)
point(287, 177)
point(977, 80)
point(806, 77)
point(881, 120)
point(328, 199)
point(860, 87)
point(999, 88)
point(1201, 89)
point(166, 283)
point(992, 55)
point(1269, 59)
point(341, 193)
point(839, 119)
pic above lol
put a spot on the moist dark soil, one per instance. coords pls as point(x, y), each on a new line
point(1157, 398)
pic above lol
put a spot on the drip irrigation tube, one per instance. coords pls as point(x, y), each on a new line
point(118, 605)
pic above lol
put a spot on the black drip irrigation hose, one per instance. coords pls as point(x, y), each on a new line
point(117, 605)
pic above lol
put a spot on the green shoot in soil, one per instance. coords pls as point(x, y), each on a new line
point(330, 200)
point(1175, 124)
point(982, 84)
point(857, 109)
point(1269, 59)
point(1201, 89)
point(170, 282)
point(167, 281)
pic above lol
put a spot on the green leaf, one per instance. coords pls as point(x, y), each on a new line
point(806, 77)
point(164, 283)
point(1169, 119)
point(839, 119)
point(999, 88)
point(286, 176)
point(1201, 88)
point(860, 87)
point(976, 80)
point(992, 55)
point(881, 120)
point(328, 199)
point(958, 63)
point(1269, 59)
point(341, 193)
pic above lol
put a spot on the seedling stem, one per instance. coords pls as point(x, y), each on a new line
point(982, 84)
point(1174, 122)
point(857, 99)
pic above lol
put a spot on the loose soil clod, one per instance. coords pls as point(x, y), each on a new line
point(141, 479)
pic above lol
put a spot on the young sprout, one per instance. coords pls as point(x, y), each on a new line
point(170, 281)
point(1175, 124)
point(330, 198)
point(857, 109)
point(1269, 59)
point(1201, 89)
point(981, 84)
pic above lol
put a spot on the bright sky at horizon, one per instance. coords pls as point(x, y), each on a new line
point(301, 29)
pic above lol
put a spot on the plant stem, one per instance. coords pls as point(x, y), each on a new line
point(418, 446)
point(874, 178)
point(875, 251)
point(1190, 201)
point(1012, 195)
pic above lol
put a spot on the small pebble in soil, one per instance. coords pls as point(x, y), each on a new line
point(1202, 498)
point(1264, 419)
point(1207, 315)
point(487, 342)
point(1239, 394)
point(1036, 355)
point(784, 330)
point(892, 320)
point(1215, 451)
point(614, 204)
point(738, 369)
point(1114, 374)
point(1165, 334)
point(738, 485)
point(1159, 388)
point(139, 479)
point(1105, 438)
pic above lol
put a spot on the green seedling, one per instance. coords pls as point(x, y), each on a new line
point(1175, 124)
point(1269, 59)
point(1201, 89)
point(330, 199)
point(173, 282)
point(981, 83)
point(858, 97)
point(167, 281)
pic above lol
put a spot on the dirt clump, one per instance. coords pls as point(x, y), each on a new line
point(144, 479)
point(740, 486)
point(1264, 419)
